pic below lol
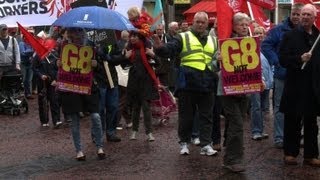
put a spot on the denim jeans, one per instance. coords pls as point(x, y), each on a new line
point(278, 116)
point(109, 107)
point(257, 101)
point(96, 130)
point(27, 74)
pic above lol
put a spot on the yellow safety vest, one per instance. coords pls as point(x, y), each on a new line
point(195, 55)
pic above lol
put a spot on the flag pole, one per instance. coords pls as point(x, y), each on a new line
point(311, 50)
point(251, 15)
point(276, 14)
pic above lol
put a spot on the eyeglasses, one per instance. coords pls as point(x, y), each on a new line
point(4, 29)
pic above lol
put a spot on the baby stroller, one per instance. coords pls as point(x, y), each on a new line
point(12, 99)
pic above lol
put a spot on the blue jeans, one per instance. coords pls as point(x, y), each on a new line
point(278, 116)
point(109, 108)
point(27, 74)
point(257, 103)
point(96, 130)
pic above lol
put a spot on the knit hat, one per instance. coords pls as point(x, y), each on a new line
point(3, 26)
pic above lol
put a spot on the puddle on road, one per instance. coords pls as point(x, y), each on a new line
point(37, 167)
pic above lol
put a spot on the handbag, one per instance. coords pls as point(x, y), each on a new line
point(163, 106)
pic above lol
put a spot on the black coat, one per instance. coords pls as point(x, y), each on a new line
point(73, 102)
point(300, 94)
point(140, 84)
point(104, 54)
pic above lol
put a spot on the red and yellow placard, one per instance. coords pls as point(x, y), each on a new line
point(241, 66)
point(75, 74)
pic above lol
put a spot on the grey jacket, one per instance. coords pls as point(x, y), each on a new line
point(6, 55)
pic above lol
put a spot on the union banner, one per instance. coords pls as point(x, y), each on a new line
point(45, 12)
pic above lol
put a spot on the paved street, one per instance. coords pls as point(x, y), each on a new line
point(30, 152)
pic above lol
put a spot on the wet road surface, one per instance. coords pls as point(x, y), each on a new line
point(28, 151)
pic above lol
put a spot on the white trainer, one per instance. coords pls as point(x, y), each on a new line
point(195, 141)
point(208, 150)
point(150, 137)
point(184, 148)
point(133, 135)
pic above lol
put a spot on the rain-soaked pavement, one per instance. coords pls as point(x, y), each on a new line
point(30, 152)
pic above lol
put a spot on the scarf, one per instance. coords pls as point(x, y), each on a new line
point(140, 46)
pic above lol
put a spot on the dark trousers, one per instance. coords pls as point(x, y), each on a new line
point(216, 128)
point(48, 97)
point(164, 79)
point(136, 109)
point(235, 109)
point(292, 135)
point(186, 110)
point(124, 107)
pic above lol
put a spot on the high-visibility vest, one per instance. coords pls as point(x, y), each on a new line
point(195, 55)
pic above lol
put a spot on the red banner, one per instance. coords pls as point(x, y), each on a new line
point(75, 74)
point(317, 23)
point(241, 66)
point(268, 4)
point(259, 17)
point(224, 17)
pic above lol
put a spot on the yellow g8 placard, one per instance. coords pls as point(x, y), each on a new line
point(241, 66)
point(238, 52)
point(76, 59)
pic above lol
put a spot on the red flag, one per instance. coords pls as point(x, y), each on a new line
point(35, 44)
point(303, 1)
point(224, 17)
point(268, 4)
point(317, 23)
point(48, 43)
point(259, 17)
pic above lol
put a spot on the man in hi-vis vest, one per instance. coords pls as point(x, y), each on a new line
point(196, 80)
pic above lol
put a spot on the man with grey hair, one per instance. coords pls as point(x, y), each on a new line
point(300, 101)
point(173, 29)
point(9, 52)
point(196, 83)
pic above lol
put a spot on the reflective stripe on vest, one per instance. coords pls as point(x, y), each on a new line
point(195, 55)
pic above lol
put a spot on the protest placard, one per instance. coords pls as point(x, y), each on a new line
point(241, 65)
point(75, 74)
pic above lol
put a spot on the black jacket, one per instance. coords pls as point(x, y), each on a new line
point(47, 66)
point(111, 54)
point(301, 92)
point(189, 79)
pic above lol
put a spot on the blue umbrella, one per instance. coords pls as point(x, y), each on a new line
point(94, 17)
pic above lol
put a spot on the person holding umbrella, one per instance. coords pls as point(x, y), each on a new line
point(73, 103)
point(91, 17)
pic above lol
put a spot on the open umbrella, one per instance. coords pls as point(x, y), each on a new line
point(94, 17)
